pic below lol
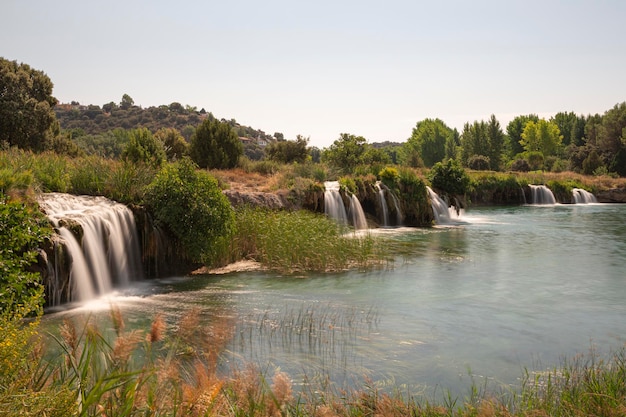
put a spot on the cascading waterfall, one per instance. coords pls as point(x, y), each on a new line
point(333, 204)
point(541, 195)
point(383, 192)
point(335, 208)
point(396, 206)
point(383, 204)
point(580, 196)
point(442, 212)
point(106, 252)
point(356, 213)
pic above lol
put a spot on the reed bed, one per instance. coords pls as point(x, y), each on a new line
point(301, 241)
point(170, 369)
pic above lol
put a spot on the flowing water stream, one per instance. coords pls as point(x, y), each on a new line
point(506, 289)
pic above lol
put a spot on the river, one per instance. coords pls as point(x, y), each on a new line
point(503, 291)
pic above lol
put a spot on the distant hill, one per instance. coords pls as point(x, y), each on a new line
point(92, 119)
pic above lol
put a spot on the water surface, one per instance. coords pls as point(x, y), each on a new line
point(508, 289)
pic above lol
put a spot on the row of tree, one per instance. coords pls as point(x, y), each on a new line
point(31, 118)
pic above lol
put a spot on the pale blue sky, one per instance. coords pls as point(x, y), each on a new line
point(370, 68)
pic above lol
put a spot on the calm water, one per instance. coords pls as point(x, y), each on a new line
point(510, 289)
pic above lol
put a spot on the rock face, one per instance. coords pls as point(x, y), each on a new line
point(615, 195)
point(270, 201)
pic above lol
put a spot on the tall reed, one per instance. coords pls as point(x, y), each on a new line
point(300, 241)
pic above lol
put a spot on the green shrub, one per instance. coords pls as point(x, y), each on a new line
point(449, 177)
point(191, 205)
point(144, 147)
point(479, 162)
point(389, 176)
point(22, 229)
point(520, 165)
point(348, 184)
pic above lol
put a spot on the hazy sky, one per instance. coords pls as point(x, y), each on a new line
point(321, 68)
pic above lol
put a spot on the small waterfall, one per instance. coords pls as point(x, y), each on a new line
point(333, 203)
point(356, 213)
point(100, 239)
point(580, 196)
point(443, 214)
point(396, 206)
point(541, 195)
point(383, 204)
point(335, 208)
point(383, 192)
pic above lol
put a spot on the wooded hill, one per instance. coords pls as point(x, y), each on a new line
point(93, 119)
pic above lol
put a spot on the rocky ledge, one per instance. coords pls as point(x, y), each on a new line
point(614, 195)
point(270, 201)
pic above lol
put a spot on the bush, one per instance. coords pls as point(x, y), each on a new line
point(22, 229)
point(535, 160)
point(143, 147)
point(215, 145)
point(520, 165)
point(449, 177)
point(389, 176)
point(191, 205)
point(479, 163)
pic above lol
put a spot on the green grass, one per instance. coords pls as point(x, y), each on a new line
point(300, 241)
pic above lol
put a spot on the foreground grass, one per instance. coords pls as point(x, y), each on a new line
point(171, 370)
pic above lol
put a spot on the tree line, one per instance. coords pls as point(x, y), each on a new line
point(31, 118)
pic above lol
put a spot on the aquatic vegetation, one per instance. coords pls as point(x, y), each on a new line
point(299, 241)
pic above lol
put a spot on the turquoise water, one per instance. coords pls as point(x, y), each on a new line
point(505, 290)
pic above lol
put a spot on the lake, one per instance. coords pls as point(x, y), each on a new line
point(504, 290)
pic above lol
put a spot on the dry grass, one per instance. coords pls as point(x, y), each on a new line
point(240, 180)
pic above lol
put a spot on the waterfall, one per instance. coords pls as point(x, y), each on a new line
point(335, 208)
point(541, 195)
point(333, 203)
point(100, 238)
point(443, 214)
point(383, 192)
point(396, 206)
point(356, 213)
point(383, 204)
point(580, 196)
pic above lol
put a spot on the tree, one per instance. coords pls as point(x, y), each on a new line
point(27, 118)
point(215, 145)
point(143, 147)
point(449, 177)
point(279, 136)
point(453, 142)
point(495, 139)
point(611, 135)
point(474, 141)
point(428, 140)
point(542, 136)
point(127, 102)
point(109, 107)
point(288, 151)
point(174, 143)
point(571, 126)
point(346, 153)
point(514, 130)
point(190, 203)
